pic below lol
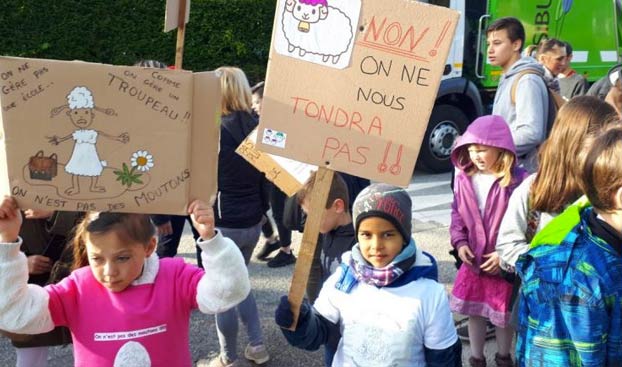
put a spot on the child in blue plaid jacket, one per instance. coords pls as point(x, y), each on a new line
point(570, 311)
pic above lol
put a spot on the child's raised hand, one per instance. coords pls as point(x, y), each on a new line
point(466, 255)
point(39, 264)
point(203, 220)
point(283, 315)
point(491, 266)
point(10, 220)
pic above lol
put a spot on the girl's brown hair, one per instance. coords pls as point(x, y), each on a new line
point(557, 179)
point(502, 168)
point(602, 175)
point(130, 228)
point(236, 92)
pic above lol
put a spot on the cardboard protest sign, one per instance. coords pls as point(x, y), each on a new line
point(368, 119)
point(288, 175)
point(81, 136)
point(171, 17)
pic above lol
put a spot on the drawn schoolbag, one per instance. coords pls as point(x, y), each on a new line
point(555, 100)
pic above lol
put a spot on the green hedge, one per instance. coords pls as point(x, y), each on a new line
point(220, 32)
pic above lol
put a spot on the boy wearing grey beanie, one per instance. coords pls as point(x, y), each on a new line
point(384, 298)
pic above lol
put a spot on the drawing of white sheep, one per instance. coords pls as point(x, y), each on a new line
point(312, 26)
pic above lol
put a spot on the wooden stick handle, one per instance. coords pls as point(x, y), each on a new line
point(181, 35)
point(317, 201)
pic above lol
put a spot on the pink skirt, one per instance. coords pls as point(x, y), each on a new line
point(481, 295)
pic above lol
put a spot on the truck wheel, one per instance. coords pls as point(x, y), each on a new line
point(446, 123)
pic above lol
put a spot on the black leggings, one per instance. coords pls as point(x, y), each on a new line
point(277, 202)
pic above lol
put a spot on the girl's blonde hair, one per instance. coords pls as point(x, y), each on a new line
point(236, 92)
point(557, 179)
point(601, 176)
point(130, 228)
point(502, 168)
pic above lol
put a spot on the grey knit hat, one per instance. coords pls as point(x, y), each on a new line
point(388, 202)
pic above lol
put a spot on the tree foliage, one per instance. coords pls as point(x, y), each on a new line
point(121, 32)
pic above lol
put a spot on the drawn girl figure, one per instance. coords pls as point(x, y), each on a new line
point(84, 159)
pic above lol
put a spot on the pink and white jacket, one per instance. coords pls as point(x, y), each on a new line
point(146, 324)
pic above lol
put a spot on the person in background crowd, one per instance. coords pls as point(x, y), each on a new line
point(552, 55)
point(571, 84)
point(240, 205)
point(283, 239)
point(486, 159)
point(527, 113)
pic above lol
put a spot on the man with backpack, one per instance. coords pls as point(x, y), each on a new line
point(522, 97)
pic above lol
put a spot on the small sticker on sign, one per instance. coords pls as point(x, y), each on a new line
point(274, 138)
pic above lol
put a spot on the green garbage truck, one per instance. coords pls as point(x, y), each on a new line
point(593, 28)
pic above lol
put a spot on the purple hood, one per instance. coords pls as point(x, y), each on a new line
point(490, 130)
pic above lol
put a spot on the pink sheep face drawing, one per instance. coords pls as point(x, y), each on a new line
point(310, 11)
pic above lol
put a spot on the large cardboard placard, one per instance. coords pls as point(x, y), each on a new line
point(369, 118)
point(82, 136)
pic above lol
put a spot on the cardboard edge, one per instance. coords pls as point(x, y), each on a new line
point(204, 136)
point(5, 187)
point(264, 162)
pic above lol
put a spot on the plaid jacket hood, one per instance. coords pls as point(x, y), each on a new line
point(557, 229)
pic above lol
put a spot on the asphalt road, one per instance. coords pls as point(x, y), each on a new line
point(430, 194)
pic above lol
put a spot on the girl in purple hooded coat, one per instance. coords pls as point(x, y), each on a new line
point(485, 158)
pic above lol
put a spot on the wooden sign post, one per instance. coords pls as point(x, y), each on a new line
point(351, 89)
point(319, 195)
point(176, 16)
point(181, 34)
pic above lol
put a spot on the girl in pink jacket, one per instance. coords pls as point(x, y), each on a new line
point(127, 308)
point(487, 174)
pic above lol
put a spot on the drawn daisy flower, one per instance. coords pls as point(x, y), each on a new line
point(142, 160)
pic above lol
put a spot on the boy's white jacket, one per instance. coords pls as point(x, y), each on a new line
point(24, 307)
point(391, 325)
